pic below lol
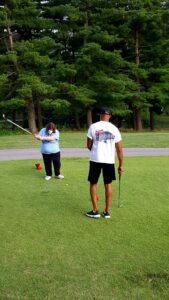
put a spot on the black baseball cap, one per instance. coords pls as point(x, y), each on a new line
point(105, 110)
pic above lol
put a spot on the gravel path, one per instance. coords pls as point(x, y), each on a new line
point(19, 154)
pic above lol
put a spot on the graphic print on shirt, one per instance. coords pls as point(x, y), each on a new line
point(104, 136)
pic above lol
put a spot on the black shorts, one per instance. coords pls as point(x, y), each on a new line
point(108, 171)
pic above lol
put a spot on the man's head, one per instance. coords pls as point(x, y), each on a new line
point(105, 114)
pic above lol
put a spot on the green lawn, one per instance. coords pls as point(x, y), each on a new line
point(50, 250)
point(73, 139)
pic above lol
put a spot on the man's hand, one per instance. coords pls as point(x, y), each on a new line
point(120, 170)
point(89, 144)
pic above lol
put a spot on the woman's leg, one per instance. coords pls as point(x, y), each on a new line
point(47, 158)
point(56, 163)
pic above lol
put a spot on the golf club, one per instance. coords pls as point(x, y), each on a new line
point(15, 124)
point(38, 166)
point(119, 199)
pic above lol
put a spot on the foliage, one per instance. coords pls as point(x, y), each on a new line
point(85, 53)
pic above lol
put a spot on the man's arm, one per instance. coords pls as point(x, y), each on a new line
point(89, 143)
point(119, 151)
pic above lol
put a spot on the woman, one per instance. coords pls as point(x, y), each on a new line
point(50, 150)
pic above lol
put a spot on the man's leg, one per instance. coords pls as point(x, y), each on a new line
point(108, 196)
point(94, 196)
point(94, 173)
point(109, 176)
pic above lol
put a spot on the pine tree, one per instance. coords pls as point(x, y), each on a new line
point(141, 30)
point(82, 55)
point(25, 60)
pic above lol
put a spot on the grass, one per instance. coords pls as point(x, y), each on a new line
point(73, 139)
point(50, 250)
point(146, 140)
point(68, 139)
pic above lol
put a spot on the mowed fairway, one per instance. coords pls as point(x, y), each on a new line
point(50, 250)
point(75, 139)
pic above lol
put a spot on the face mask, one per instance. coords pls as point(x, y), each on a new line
point(50, 131)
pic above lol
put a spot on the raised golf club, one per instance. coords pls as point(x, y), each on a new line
point(15, 124)
point(38, 166)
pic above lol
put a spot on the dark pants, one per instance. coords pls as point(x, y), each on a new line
point(48, 159)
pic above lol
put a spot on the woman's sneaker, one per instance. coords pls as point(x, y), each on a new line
point(106, 215)
point(93, 214)
point(59, 176)
point(48, 177)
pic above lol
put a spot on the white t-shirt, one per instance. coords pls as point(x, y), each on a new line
point(104, 136)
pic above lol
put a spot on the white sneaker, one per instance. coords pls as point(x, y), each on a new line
point(48, 177)
point(59, 177)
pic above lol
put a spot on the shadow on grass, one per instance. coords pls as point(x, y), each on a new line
point(156, 281)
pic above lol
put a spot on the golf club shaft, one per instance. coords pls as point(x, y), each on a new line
point(17, 125)
point(119, 191)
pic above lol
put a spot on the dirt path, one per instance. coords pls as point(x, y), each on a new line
point(20, 154)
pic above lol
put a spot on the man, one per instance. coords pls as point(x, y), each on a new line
point(103, 139)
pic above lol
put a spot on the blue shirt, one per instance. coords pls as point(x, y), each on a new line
point(49, 147)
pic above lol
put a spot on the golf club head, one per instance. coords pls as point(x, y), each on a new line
point(3, 116)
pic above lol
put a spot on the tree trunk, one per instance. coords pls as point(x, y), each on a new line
point(13, 118)
point(38, 110)
point(77, 121)
point(137, 52)
point(152, 126)
point(10, 39)
point(14, 68)
point(31, 116)
point(89, 117)
point(137, 120)
point(11, 46)
point(119, 121)
point(86, 24)
point(39, 116)
point(137, 113)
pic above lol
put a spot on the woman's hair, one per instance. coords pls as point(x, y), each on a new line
point(51, 126)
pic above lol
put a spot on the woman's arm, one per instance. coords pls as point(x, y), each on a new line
point(44, 138)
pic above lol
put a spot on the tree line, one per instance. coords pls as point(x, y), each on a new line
point(68, 58)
